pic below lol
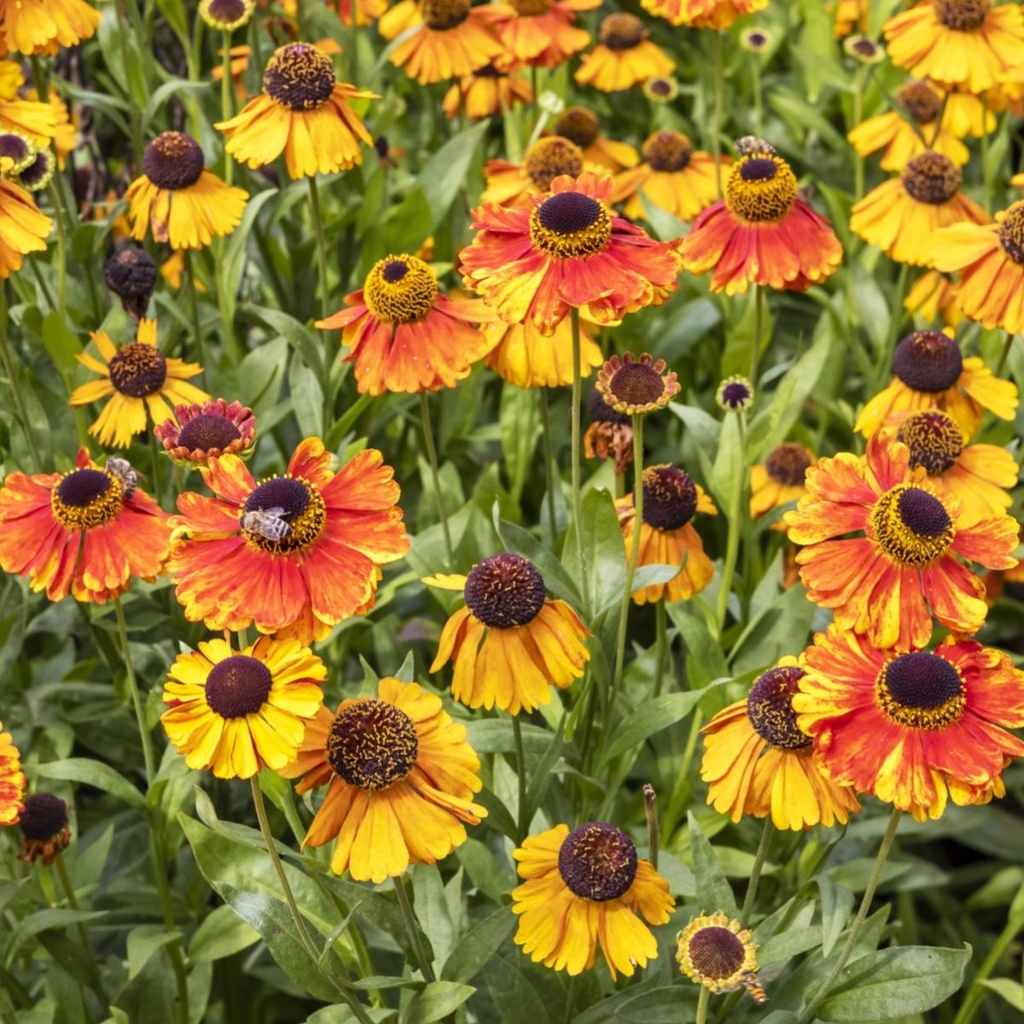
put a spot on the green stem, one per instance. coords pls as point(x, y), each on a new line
point(435, 476)
point(859, 79)
point(193, 295)
point(133, 688)
point(570, 1000)
point(977, 992)
point(755, 872)
point(83, 933)
point(755, 354)
point(736, 521)
point(682, 789)
point(661, 640)
point(985, 176)
point(716, 118)
point(549, 464)
point(411, 924)
point(634, 555)
point(577, 489)
point(12, 376)
point(884, 365)
point(522, 820)
point(60, 216)
point(855, 929)
point(702, 1005)
point(321, 244)
point(227, 108)
point(1005, 354)
point(758, 103)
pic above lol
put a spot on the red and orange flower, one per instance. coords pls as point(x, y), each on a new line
point(913, 728)
point(541, 33)
point(404, 334)
point(292, 554)
point(87, 532)
point(567, 250)
point(908, 565)
point(719, 14)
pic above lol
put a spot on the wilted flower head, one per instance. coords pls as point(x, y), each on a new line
point(45, 829)
point(719, 954)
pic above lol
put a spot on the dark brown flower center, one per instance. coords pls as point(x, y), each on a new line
point(173, 160)
point(531, 8)
point(130, 272)
point(16, 149)
point(442, 15)
point(736, 395)
point(621, 31)
point(85, 498)
point(550, 157)
point(1011, 233)
point(661, 86)
point(44, 817)
point(921, 691)
point(928, 361)
point(299, 76)
point(920, 101)
point(934, 439)
point(400, 289)
point(866, 49)
point(238, 686)
point(372, 744)
point(505, 591)
point(597, 861)
point(570, 225)
point(668, 151)
point(138, 370)
point(208, 431)
point(911, 526)
point(788, 464)
point(670, 497)
point(760, 187)
point(962, 15)
point(227, 12)
point(282, 515)
point(932, 178)
point(770, 708)
point(36, 175)
point(636, 384)
point(601, 412)
point(716, 952)
point(579, 125)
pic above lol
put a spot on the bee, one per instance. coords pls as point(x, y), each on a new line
point(121, 470)
point(751, 144)
point(753, 986)
point(267, 523)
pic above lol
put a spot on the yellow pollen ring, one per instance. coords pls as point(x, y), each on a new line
point(760, 200)
point(897, 538)
point(303, 531)
point(400, 289)
point(911, 717)
point(98, 511)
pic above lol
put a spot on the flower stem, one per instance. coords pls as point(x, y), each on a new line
point(661, 640)
point(755, 352)
point(651, 814)
point(435, 475)
point(682, 789)
point(60, 216)
point(577, 490)
point(12, 376)
point(855, 929)
point(1005, 354)
point(859, 80)
point(755, 872)
point(884, 364)
point(976, 993)
point(634, 555)
point(549, 464)
point(758, 104)
point(414, 932)
point(193, 296)
point(226, 104)
point(736, 523)
point(522, 820)
point(83, 933)
point(133, 688)
point(321, 243)
point(702, 1005)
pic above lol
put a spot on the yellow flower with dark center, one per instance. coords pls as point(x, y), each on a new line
point(901, 215)
point(23, 227)
point(402, 780)
point(12, 779)
point(511, 184)
point(453, 39)
point(667, 535)
point(969, 42)
point(580, 125)
point(582, 889)
point(38, 173)
point(226, 15)
point(930, 371)
point(236, 712)
point(908, 565)
point(510, 643)
point(637, 386)
point(542, 33)
point(303, 112)
point(761, 231)
point(136, 378)
point(673, 176)
point(719, 954)
point(896, 136)
point(911, 727)
point(17, 151)
point(40, 26)
point(779, 480)
point(990, 261)
point(404, 335)
point(758, 762)
point(178, 199)
point(624, 56)
point(45, 828)
point(487, 92)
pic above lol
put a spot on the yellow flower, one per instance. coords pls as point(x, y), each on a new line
point(720, 955)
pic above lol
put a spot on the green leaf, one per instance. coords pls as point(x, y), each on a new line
point(894, 982)
point(222, 933)
point(836, 904)
point(715, 892)
point(234, 251)
point(604, 553)
point(476, 947)
point(650, 718)
point(650, 1002)
point(62, 345)
point(519, 420)
point(143, 942)
point(176, 88)
point(1011, 991)
point(517, 1000)
point(705, 661)
point(432, 909)
point(93, 773)
point(521, 542)
point(436, 1000)
point(445, 172)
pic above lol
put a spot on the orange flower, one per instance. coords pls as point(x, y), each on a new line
point(87, 532)
point(488, 92)
point(904, 570)
point(12, 779)
point(914, 729)
point(761, 232)
point(511, 184)
point(568, 250)
point(40, 26)
point(717, 14)
point(780, 480)
point(541, 32)
point(405, 335)
point(624, 56)
point(293, 554)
